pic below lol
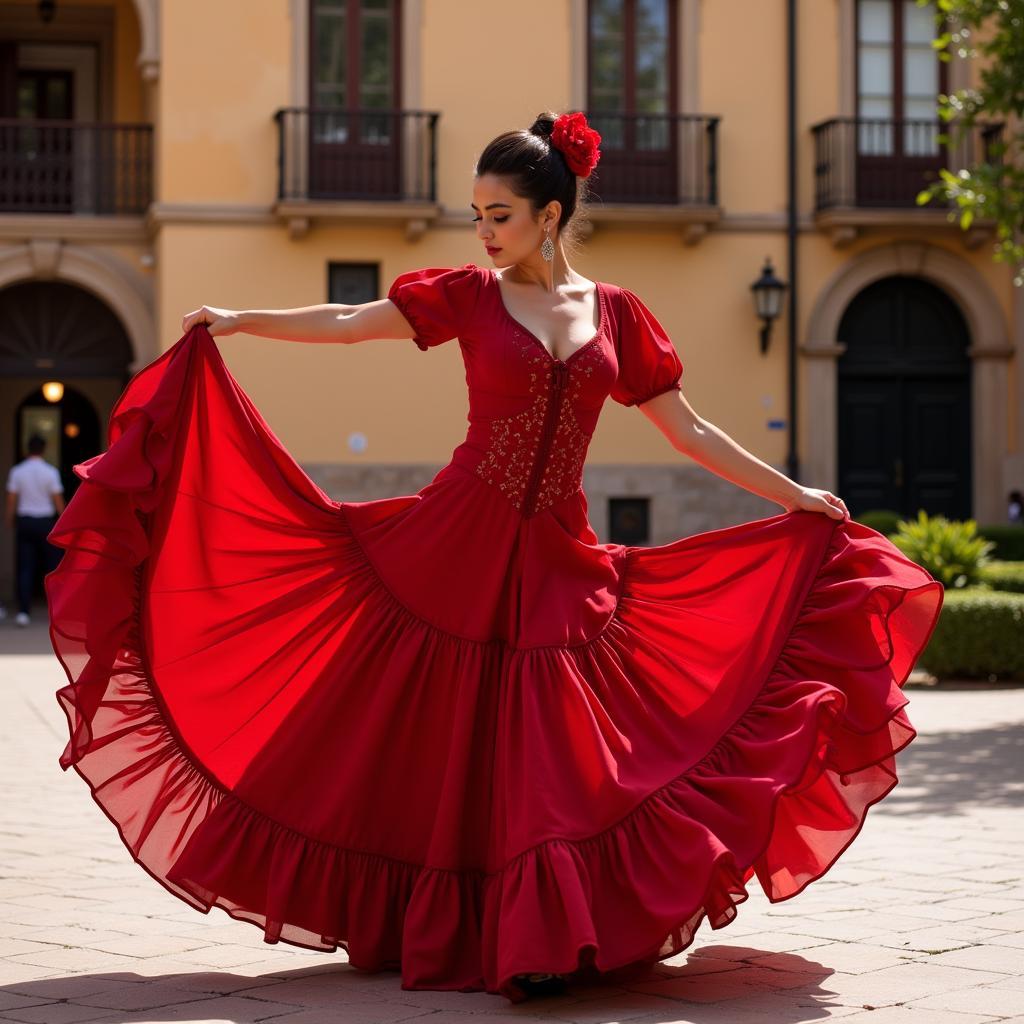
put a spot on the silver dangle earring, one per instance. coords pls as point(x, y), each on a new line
point(547, 248)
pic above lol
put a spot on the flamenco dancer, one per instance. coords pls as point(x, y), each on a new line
point(450, 731)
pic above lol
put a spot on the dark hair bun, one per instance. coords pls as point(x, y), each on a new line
point(533, 167)
point(543, 125)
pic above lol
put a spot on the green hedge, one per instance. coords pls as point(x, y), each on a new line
point(1009, 540)
point(881, 519)
point(979, 635)
point(1004, 576)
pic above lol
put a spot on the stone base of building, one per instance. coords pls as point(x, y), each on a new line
point(680, 500)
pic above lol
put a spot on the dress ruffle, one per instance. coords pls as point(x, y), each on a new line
point(780, 795)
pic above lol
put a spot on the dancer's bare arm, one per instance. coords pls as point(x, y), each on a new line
point(329, 322)
point(692, 435)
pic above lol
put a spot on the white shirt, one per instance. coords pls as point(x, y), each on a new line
point(34, 480)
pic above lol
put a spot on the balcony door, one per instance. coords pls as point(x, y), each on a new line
point(355, 128)
point(899, 77)
point(36, 162)
point(632, 48)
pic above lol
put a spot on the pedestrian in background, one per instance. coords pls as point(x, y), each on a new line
point(35, 497)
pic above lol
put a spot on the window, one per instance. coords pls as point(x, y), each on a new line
point(352, 284)
point(631, 58)
point(355, 131)
point(629, 520)
point(354, 65)
point(650, 153)
point(899, 77)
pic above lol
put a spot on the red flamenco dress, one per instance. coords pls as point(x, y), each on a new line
point(449, 731)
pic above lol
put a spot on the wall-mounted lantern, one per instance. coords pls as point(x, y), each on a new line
point(768, 291)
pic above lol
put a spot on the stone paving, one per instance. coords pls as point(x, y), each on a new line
point(921, 920)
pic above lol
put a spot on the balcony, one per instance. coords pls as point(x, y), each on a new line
point(75, 167)
point(868, 172)
point(656, 168)
point(375, 166)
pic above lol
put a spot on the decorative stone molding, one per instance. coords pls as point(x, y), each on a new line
point(207, 213)
point(115, 282)
point(44, 255)
point(85, 229)
point(301, 215)
point(415, 217)
point(845, 224)
point(692, 222)
point(148, 60)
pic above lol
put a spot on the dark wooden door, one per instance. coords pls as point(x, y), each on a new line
point(355, 128)
point(632, 99)
point(904, 401)
point(899, 77)
point(38, 166)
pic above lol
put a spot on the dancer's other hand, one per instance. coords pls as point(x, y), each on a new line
point(218, 321)
point(812, 499)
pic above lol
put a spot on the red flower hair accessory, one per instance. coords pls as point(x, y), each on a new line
point(578, 142)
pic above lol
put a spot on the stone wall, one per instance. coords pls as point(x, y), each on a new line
point(684, 499)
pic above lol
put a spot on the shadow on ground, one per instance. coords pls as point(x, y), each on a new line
point(706, 988)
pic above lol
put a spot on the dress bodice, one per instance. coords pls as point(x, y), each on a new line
point(513, 487)
point(531, 415)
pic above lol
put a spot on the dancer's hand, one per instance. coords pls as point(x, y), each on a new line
point(218, 321)
point(814, 500)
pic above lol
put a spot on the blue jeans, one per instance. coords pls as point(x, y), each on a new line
point(34, 550)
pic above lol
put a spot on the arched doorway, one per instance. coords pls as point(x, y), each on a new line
point(69, 425)
point(60, 336)
point(904, 400)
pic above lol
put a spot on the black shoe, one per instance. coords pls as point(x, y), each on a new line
point(541, 984)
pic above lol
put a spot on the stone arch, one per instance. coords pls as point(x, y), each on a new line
point(128, 294)
point(990, 349)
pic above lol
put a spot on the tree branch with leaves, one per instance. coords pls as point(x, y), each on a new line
point(991, 186)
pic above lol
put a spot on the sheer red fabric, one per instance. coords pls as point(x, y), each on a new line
point(450, 731)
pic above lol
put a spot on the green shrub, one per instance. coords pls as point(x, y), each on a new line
point(1004, 576)
point(883, 520)
point(950, 550)
point(979, 635)
point(1008, 538)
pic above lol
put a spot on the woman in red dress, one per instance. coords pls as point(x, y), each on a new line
point(450, 731)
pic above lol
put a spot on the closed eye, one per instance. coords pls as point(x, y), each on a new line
point(498, 220)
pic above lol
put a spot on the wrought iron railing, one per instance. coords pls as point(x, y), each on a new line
point(356, 154)
point(656, 158)
point(886, 162)
point(51, 166)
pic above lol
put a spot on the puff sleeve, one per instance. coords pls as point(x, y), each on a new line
point(437, 301)
point(648, 362)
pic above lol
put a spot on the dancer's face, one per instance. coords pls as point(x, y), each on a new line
point(505, 222)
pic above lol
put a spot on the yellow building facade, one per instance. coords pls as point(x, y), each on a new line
point(158, 156)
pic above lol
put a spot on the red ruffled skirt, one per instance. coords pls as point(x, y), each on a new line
point(274, 732)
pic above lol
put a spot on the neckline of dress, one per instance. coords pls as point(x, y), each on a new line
point(599, 294)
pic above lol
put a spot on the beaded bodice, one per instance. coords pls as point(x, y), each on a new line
point(531, 414)
point(535, 451)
